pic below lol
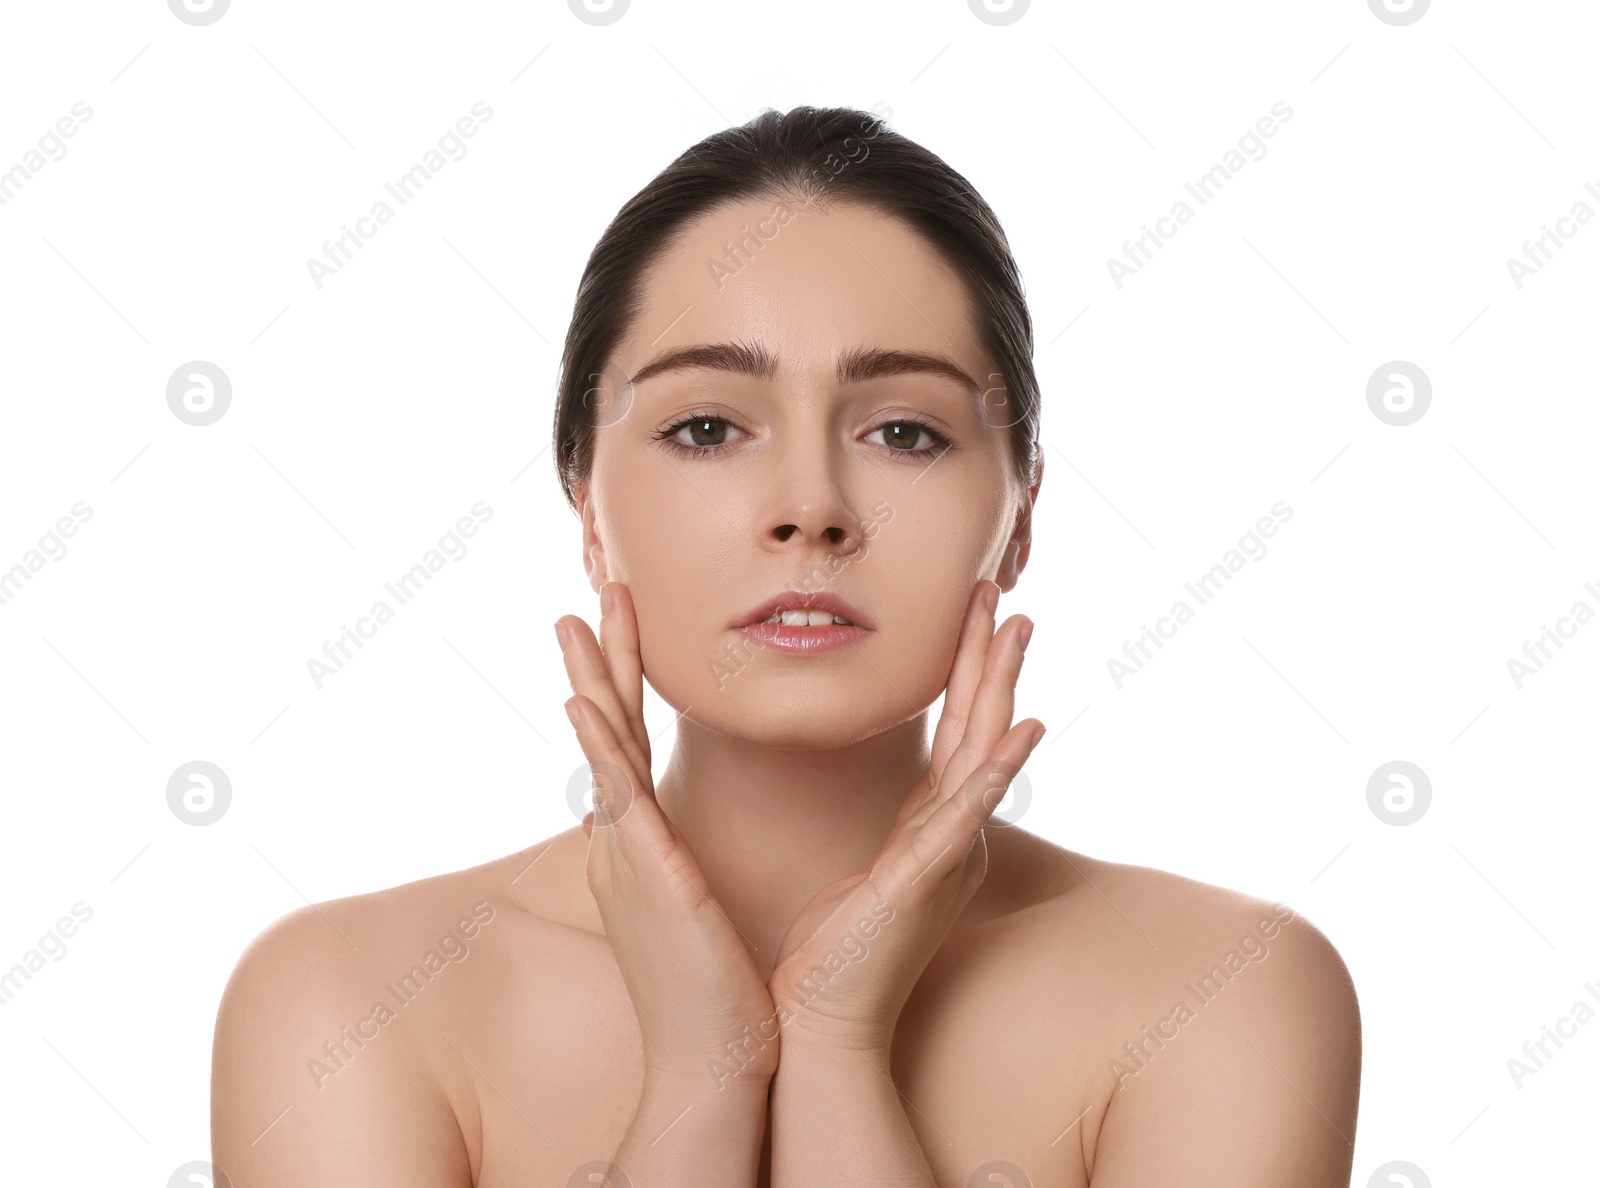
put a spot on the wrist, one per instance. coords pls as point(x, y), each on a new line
point(831, 1055)
point(719, 1081)
point(746, 1063)
point(684, 1130)
point(816, 1036)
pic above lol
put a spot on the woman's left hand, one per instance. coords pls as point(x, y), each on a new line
point(852, 957)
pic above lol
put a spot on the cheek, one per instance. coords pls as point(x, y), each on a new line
point(923, 565)
point(687, 570)
point(925, 561)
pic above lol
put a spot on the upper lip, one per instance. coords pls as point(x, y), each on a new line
point(804, 600)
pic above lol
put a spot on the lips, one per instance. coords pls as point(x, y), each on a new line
point(820, 600)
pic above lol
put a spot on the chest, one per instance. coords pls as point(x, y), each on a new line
point(986, 1065)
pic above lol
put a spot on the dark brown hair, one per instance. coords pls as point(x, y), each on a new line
point(810, 153)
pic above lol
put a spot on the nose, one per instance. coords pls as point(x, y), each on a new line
point(807, 505)
point(834, 534)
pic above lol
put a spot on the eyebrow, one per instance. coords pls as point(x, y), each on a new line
point(854, 366)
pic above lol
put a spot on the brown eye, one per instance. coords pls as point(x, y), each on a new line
point(708, 431)
point(707, 436)
point(901, 435)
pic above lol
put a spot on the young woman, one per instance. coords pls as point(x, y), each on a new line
point(798, 420)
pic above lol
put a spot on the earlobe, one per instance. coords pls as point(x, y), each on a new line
point(594, 552)
point(1015, 558)
point(594, 563)
point(1012, 562)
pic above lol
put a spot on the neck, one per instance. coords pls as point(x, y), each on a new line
point(770, 828)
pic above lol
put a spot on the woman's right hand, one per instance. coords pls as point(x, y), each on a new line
point(693, 984)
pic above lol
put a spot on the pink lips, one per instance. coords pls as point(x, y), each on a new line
point(804, 641)
point(807, 640)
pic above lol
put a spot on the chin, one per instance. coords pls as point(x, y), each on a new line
point(784, 734)
point(793, 709)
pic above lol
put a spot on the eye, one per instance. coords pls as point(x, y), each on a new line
point(699, 435)
point(705, 435)
point(900, 437)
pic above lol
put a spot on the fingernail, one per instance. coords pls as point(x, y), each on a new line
point(607, 599)
point(561, 635)
point(572, 712)
point(1038, 733)
point(1027, 633)
point(991, 599)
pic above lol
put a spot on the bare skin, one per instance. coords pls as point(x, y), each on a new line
point(1085, 1022)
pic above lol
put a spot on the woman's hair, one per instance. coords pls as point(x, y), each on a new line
point(808, 155)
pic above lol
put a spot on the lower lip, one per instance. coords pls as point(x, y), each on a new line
point(802, 641)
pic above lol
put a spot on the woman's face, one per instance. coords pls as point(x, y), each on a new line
point(891, 489)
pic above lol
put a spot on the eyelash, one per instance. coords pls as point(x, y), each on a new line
point(668, 435)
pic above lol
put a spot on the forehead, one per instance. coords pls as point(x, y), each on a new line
point(807, 286)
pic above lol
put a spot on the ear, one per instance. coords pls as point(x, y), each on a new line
point(1015, 558)
point(594, 551)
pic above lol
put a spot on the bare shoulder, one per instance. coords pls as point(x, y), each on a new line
point(1181, 917)
point(332, 1056)
point(1226, 1037)
point(1140, 922)
point(1205, 932)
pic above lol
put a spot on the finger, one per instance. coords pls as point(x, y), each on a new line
point(632, 829)
point(944, 839)
point(992, 705)
point(619, 642)
point(976, 631)
point(588, 675)
point(625, 817)
point(921, 792)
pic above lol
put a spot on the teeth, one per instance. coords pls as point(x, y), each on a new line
point(807, 618)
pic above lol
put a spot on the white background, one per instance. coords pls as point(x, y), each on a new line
point(370, 414)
